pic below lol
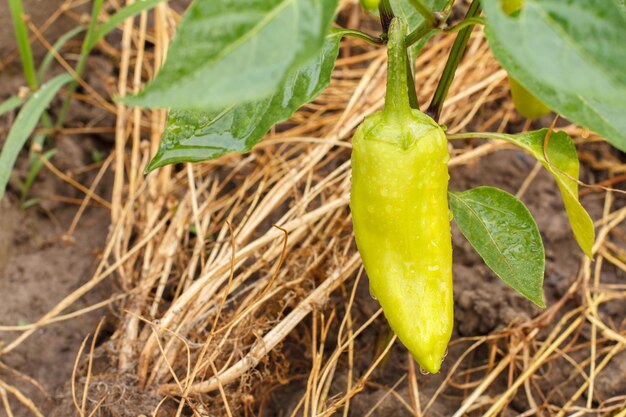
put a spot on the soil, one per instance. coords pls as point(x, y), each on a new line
point(37, 271)
point(39, 266)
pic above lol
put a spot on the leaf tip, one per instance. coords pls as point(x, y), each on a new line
point(154, 164)
point(538, 302)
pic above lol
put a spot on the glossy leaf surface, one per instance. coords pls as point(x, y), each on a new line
point(505, 235)
point(192, 136)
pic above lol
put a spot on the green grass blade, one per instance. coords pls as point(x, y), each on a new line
point(47, 60)
point(10, 103)
point(118, 18)
point(23, 44)
point(25, 124)
point(82, 60)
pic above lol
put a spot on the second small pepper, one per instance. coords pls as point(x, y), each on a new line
point(525, 102)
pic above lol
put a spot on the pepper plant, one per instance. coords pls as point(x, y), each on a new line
point(237, 67)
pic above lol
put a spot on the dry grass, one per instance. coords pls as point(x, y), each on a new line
point(225, 264)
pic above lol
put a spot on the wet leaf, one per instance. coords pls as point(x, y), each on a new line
point(192, 136)
point(505, 235)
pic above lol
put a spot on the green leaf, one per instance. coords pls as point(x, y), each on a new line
point(571, 55)
point(230, 52)
point(505, 235)
point(10, 103)
point(563, 164)
point(24, 125)
point(118, 18)
point(192, 136)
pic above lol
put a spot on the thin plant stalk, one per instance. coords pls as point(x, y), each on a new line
point(458, 48)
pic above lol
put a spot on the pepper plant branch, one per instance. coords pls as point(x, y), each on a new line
point(472, 135)
point(419, 32)
point(431, 21)
point(413, 101)
point(360, 35)
point(386, 15)
point(460, 43)
point(465, 23)
point(438, 21)
point(397, 102)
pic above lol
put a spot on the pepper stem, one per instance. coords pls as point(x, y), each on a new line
point(397, 96)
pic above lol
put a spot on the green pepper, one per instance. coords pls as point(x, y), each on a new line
point(525, 102)
point(400, 215)
point(510, 7)
point(370, 5)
